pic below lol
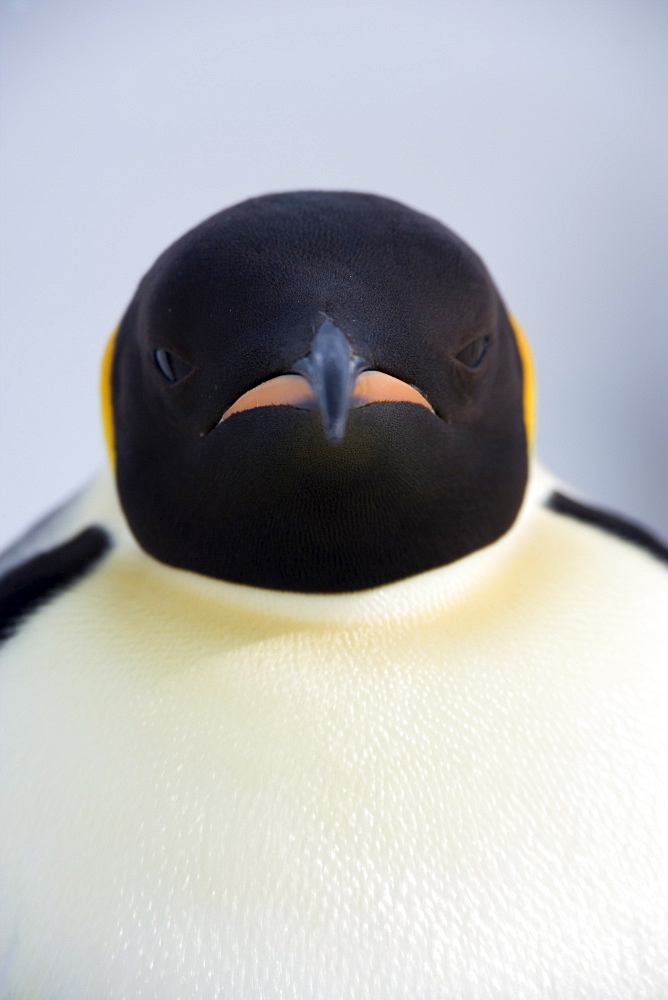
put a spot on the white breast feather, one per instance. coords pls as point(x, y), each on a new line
point(450, 787)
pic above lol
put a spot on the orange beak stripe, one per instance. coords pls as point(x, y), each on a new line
point(294, 390)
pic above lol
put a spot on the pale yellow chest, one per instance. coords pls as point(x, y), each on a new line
point(464, 795)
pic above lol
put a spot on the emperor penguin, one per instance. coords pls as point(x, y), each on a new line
point(325, 689)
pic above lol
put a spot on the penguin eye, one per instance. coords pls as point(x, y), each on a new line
point(473, 354)
point(171, 366)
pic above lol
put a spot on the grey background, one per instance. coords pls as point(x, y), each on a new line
point(535, 129)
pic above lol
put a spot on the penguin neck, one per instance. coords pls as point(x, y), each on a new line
point(442, 589)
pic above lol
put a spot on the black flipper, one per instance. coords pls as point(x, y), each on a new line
point(628, 531)
point(48, 532)
point(26, 587)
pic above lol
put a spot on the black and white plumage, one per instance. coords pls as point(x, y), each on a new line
point(429, 760)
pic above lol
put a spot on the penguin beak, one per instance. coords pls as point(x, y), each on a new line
point(330, 370)
point(332, 380)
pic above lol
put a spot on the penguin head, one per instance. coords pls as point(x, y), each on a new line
point(318, 392)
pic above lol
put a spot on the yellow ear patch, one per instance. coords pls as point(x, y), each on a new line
point(105, 394)
point(528, 380)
